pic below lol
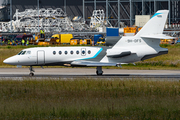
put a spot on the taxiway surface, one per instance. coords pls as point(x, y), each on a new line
point(88, 72)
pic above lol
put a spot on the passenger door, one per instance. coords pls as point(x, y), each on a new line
point(40, 57)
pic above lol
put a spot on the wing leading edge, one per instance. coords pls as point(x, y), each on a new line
point(91, 63)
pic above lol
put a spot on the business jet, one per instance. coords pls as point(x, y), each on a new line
point(118, 50)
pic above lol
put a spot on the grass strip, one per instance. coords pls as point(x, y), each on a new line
point(87, 98)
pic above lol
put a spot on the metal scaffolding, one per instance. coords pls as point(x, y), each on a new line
point(30, 20)
point(118, 11)
point(51, 20)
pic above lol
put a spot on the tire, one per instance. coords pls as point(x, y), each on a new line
point(31, 74)
point(99, 73)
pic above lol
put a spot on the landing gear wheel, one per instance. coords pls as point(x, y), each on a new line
point(99, 73)
point(31, 71)
point(99, 70)
point(31, 74)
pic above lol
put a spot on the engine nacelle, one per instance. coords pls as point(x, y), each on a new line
point(116, 53)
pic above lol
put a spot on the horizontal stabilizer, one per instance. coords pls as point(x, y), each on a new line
point(157, 36)
point(91, 64)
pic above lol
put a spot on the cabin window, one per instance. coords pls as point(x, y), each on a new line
point(20, 52)
point(28, 52)
point(71, 52)
point(89, 52)
point(54, 52)
point(77, 52)
point(83, 52)
point(65, 52)
point(23, 52)
point(60, 52)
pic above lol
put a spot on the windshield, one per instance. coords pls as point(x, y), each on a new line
point(24, 52)
point(20, 52)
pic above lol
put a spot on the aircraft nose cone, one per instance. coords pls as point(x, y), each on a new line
point(7, 61)
point(10, 61)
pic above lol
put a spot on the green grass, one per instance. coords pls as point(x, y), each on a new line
point(30, 46)
point(89, 99)
point(167, 61)
point(19, 46)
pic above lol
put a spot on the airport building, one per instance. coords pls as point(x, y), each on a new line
point(116, 11)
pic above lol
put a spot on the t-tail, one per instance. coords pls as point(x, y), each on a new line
point(155, 26)
point(152, 32)
point(145, 44)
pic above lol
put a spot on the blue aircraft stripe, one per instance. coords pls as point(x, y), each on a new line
point(155, 15)
point(94, 55)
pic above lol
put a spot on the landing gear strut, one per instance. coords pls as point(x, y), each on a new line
point(31, 71)
point(99, 70)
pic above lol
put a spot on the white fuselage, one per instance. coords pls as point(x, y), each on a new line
point(53, 55)
point(65, 55)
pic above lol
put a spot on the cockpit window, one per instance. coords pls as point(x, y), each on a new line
point(20, 52)
point(28, 52)
point(23, 52)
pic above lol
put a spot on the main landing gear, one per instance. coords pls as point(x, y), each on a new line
point(31, 71)
point(99, 70)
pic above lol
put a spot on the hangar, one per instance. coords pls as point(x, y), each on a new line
point(116, 10)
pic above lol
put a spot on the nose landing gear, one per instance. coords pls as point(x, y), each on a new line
point(31, 71)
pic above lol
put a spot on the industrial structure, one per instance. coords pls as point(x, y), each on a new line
point(51, 20)
point(117, 12)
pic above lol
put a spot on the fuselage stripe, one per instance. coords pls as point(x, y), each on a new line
point(93, 56)
point(155, 15)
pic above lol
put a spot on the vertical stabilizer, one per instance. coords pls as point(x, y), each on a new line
point(155, 25)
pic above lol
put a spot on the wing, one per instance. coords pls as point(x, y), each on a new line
point(91, 63)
